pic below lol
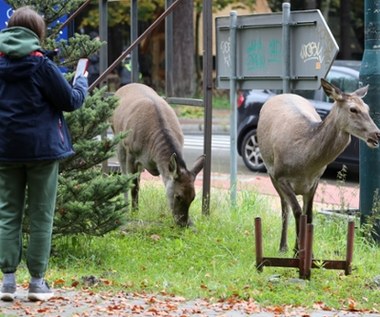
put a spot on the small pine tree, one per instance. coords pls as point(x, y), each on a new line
point(89, 201)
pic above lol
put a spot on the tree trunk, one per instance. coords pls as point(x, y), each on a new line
point(183, 50)
point(311, 4)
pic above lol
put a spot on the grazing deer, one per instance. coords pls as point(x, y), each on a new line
point(155, 143)
point(296, 145)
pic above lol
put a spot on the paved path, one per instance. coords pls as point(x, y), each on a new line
point(67, 303)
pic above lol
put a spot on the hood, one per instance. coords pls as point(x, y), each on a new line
point(18, 42)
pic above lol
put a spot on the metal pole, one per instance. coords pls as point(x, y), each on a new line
point(369, 168)
point(233, 123)
point(103, 34)
point(134, 34)
point(207, 97)
point(286, 47)
point(103, 56)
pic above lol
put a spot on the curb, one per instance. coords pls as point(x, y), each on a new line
point(199, 128)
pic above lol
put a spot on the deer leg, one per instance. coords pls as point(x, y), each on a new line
point(288, 194)
point(132, 168)
point(284, 215)
point(135, 193)
point(122, 157)
point(285, 223)
point(308, 203)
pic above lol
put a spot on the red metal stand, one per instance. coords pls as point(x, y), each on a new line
point(304, 262)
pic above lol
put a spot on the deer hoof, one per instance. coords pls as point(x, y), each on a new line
point(283, 249)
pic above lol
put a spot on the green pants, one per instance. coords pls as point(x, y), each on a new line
point(37, 182)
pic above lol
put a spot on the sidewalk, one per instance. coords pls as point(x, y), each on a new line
point(68, 303)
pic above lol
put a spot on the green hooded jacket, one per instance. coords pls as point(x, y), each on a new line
point(18, 42)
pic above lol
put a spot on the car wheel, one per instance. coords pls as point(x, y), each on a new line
point(251, 153)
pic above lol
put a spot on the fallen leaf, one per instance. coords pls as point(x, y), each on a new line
point(59, 282)
point(155, 237)
point(105, 281)
point(75, 283)
point(351, 305)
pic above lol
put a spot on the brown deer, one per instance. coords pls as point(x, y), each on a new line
point(296, 145)
point(155, 143)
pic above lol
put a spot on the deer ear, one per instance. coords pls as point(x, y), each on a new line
point(198, 165)
point(331, 90)
point(173, 165)
point(362, 92)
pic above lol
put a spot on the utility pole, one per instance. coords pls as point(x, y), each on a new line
point(369, 169)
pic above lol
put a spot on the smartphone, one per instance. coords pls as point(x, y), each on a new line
point(81, 68)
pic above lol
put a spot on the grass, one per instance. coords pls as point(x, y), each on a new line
point(221, 101)
point(189, 112)
point(217, 259)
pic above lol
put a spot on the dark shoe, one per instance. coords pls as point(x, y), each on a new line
point(8, 292)
point(40, 292)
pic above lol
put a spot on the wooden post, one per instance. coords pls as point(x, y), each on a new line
point(308, 250)
point(304, 259)
point(259, 244)
point(350, 247)
point(301, 245)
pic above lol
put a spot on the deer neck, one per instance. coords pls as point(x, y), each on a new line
point(330, 138)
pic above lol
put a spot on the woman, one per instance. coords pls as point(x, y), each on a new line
point(34, 137)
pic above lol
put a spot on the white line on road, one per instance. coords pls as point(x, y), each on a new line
point(195, 142)
point(218, 142)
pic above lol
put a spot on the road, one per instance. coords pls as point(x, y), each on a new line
point(220, 156)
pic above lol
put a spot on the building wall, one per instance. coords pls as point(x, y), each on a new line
point(261, 6)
